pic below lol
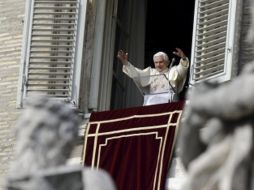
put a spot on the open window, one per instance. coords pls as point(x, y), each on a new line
point(52, 49)
point(207, 31)
point(145, 27)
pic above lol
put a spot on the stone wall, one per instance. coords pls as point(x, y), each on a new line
point(12, 14)
point(11, 28)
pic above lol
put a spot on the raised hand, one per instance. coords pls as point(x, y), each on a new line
point(179, 53)
point(122, 56)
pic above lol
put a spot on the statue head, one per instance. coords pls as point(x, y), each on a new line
point(46, 133)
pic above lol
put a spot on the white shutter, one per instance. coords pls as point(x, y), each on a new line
point(54, 29)
point(213, 40)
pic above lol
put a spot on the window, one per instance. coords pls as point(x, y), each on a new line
point(145, 27)
point(52, 49)
point(214, 38)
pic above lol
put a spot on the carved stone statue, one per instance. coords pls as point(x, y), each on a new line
point(216, 137)
point(46, 134)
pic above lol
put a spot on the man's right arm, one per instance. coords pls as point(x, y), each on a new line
point(134, 72)
point(140, 76)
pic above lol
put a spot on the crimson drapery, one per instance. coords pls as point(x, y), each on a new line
point(134, 145)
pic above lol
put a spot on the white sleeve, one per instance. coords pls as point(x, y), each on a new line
point(182, 67)
point(140, 76)
point(178, 75)
point(133, 72)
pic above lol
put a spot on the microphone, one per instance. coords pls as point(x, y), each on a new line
point(173, 60)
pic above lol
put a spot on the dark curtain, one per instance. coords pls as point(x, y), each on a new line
point(133, 145)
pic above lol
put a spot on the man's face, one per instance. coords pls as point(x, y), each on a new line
point(159, 64)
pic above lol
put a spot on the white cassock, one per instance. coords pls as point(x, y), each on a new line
point(159, 87)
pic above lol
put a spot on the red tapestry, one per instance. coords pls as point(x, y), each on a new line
point(134, 145)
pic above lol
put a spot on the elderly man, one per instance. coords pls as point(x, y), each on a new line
point(164, 84)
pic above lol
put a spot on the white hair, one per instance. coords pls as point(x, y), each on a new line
point(163, 55)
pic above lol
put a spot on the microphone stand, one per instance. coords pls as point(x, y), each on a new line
point(173, 89)
point(172, 63)
point(169, 83)
point(170, 66)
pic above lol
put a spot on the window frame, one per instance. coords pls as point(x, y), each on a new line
point(25, 53)
point(231, 44)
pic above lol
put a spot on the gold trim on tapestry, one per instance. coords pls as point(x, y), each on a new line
point(87, 135)
point(167, 126)
point(136, 116)
point(159, 157)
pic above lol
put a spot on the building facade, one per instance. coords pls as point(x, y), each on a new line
point(12, 23)
point(67, 50)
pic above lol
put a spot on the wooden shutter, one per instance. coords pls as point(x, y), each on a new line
point(50, 58)
point(213, 42)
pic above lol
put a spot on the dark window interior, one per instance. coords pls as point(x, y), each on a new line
point(169, 25)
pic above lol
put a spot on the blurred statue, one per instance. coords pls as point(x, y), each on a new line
point(216, 137)
point(46, 134)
